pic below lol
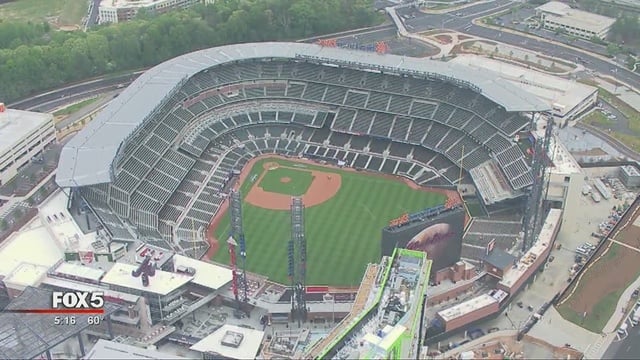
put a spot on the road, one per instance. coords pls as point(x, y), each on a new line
point(627, 348)
point(423, 22)
point(92, 19)
point(51, 100)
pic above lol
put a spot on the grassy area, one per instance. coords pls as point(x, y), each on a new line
point(75, 107)
point(343, 234)
point(474, 208)
point(597, 319)
point(299, 181)
point(69, 12)
point(596, 118)
point(629, 112)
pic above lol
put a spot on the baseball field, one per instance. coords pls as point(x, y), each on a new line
point(345, 213)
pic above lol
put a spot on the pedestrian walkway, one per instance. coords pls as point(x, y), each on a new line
point(597, 350)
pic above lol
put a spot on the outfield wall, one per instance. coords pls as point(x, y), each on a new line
point(440, 236)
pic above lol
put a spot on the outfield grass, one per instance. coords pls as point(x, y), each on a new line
point(300, 181)
point(343, 234)
point(69, 12)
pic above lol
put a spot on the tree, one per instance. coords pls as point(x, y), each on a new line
point(526, 57)
point(511, 54)
point(3, 224)
point(33, 58)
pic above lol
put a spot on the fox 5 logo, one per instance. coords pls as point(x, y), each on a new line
point(77, 300)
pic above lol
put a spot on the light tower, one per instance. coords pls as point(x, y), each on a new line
point(533, 217)
point(234, 268)
point(237, 233)
point(298, 248)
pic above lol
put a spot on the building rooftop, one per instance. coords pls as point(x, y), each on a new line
point(135, 4)
point(207, 274)
point(563, 13)
point(232, 342)
point(80, 286)
point(54, 215)
point(380, 345)
point(33, 246)
point(544, 240)
point(87, 158)
point(159, 255)
point(105, 349)
point(16, 124)
point(630, 170)
point(162, 283)
point(79, 271)
point(466, 307)
point(563, 161)
point(500, 258)
point(550, 89)
point(26, 275)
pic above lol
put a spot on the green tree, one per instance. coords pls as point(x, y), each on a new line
point(34, 58)
point(3, 224)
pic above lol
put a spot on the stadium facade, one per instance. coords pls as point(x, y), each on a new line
point(153, 164)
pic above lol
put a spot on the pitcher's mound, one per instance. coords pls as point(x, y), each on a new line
point(285, 180)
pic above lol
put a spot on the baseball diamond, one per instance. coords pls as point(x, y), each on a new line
point(286, 181)
point(343, 230)
point(155, 165)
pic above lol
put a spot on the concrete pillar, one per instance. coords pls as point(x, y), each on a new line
point(81, 344)
point(109, 327)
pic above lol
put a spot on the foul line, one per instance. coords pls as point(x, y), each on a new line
point(625, 245)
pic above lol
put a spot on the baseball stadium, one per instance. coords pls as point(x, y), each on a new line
point(369, 142)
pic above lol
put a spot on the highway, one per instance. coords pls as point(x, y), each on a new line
point(51, 100)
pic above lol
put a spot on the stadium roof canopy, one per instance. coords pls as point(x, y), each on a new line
point(87, 158)
point(27, 336)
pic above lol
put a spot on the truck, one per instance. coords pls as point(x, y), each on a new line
point(595, 197)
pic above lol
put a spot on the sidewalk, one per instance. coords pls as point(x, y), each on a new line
point(599, 348)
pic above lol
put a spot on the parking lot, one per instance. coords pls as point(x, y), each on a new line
point(581, 220)
point(525, 20)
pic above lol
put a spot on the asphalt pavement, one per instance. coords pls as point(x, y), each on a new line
point(629, 348)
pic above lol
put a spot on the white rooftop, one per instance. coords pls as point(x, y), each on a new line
point(26, 275)
point(80, 286)
point(551, 223)
point(17, 124)
point(550, 89)
point(161, 283)
point(55, 215)
point(207, 274)
point(136, 4)
point(630, 170)
point(564, 14)
point(563, 161)
point(79, 271)
point(248, 348)
point(34, 246)
point(466, 307)
point(389, 338)
point(105, 349)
